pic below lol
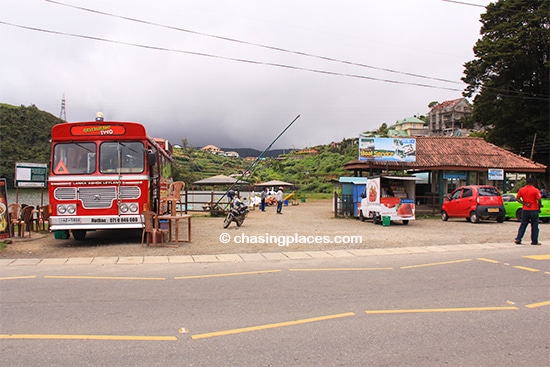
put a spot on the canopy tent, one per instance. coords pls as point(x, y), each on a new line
point(275, 183)
point(220, 180)
point(224, 183)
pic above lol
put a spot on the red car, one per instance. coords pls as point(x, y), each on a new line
point(474, 203)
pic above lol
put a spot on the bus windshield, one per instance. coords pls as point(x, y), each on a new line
point(121, 157)
point(74, 158)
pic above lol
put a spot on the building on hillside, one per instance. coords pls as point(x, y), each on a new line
point(212, 149)
point(446, 118)
point(393, 133)
point(231, 154)
point(410, 126)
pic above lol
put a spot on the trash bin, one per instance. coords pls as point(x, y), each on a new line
point(163, 224)
point(61, 235)
point(285, 202)
point(386, 220)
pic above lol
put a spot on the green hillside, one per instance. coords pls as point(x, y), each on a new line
point(25, 134)
point(310, 171)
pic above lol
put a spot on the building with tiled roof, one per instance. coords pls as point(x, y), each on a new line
point(447, 117)
point(444, 157)
point(409, 126)
point(212, 149)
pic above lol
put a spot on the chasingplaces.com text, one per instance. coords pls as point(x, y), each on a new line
point(287, 240)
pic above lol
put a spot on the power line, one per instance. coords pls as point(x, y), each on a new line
point(158, 48)
point(506, 94)
point(326, 58)
point(457, 2)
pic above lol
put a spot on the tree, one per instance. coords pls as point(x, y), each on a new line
point(510, 75)
point(25, 134)
point(381, 131)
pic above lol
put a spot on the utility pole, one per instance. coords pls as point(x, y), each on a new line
point(63, 113)
point(533, 147)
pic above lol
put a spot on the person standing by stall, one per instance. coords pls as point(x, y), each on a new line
point(530, 199)
point(279, 198)
point(263, 196)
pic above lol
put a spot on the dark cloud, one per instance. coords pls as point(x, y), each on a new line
point(211, 99)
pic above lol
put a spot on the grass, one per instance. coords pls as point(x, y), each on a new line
point(314, 196)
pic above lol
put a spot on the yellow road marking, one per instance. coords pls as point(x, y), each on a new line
point(540, 304)
point(270, 326)
point(488, 260)
point(526, 268)
point(227, 274)
point(21, 277)
point(452, 309)
point(88, 337)
point(98, 278)
point(434, 264)
point(340, 269)
point(538, 257)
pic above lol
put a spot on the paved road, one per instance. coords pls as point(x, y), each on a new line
point(482, 305)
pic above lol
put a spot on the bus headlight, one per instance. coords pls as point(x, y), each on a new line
point(123, 208)
point(133, 208)
point(66, 209)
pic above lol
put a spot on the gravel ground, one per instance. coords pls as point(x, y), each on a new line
point(267, 232)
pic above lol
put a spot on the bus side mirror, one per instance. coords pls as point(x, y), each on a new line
point(151, 158)
point(363, 195)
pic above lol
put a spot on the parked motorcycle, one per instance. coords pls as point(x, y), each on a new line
point(238, 210)
point(235, 215)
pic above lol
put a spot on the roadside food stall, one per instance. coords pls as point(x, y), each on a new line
point(388, 198)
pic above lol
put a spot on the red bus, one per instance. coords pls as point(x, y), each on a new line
point(103, 175)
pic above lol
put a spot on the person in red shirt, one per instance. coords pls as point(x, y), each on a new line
point(529, 197)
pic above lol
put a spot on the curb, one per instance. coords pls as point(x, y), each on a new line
point(252, 257)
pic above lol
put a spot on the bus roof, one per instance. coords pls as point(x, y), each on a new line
point(106, 130)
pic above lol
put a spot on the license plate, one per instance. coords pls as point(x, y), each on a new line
point(493, 210)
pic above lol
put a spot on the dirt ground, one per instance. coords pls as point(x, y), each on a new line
point(268, 232)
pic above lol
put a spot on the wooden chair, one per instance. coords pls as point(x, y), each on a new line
point(174, 196)
point(43, 218)
point(13, 216)
point(151, 228)
point(25, 220)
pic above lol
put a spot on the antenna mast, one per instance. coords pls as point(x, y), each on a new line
point(63, 113)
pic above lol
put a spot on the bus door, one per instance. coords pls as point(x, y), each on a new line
point(154, 179)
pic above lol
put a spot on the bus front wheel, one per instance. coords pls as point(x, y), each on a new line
point(79, 234)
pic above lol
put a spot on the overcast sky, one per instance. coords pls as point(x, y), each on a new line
point(344, 66)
